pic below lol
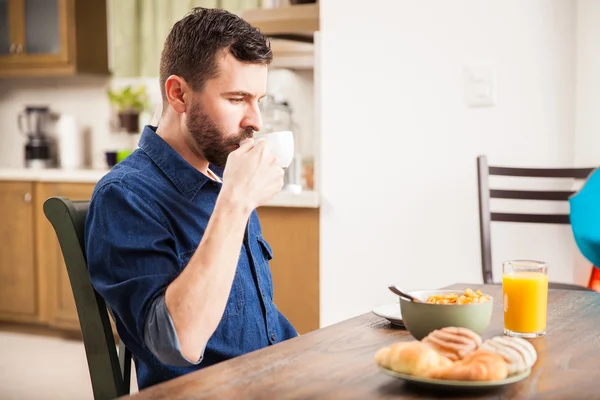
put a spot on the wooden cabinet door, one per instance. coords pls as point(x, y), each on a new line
point(18, 299)
point(59, 309)
point(53, 37)
point(38, 33)
point(44, 33)
point(8, 29)
point(293, 234)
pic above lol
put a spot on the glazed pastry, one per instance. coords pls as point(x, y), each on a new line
point(479, 365)
point(518, 353)
point(414, 358)
point(453, 343)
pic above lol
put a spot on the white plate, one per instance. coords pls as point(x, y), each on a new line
point(391, 312)
point(442, 383)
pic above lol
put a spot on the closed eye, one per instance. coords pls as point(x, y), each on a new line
point(236, 100)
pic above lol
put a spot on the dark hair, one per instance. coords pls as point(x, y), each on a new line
point(192, 46)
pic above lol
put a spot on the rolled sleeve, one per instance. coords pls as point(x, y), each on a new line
point(161, 337)
point(132, 258)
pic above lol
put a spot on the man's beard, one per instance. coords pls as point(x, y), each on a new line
point(210, 142)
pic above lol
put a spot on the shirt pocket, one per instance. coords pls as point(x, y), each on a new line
point(267, 255)
point(235, 302)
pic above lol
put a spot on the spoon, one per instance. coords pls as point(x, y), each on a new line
point(400, 293)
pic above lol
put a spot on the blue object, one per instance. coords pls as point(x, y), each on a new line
point(585, 218)
point(145, 221)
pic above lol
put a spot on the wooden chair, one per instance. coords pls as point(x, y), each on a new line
point(110, 371)
point(486, 217)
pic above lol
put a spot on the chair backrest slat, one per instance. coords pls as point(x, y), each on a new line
point(553, 195)
point(531, 218)
point(576, 173)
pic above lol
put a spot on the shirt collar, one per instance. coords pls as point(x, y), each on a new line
point(187, 179)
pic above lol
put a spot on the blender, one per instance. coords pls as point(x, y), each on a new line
point(33, 123)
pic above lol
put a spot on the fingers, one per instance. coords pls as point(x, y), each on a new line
point(260, 145)
point(263, 149)
point(275, 161)
point(245, 146)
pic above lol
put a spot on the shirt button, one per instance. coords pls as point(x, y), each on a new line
point(273, 337)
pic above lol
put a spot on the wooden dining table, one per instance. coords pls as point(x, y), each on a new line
point(336, 362)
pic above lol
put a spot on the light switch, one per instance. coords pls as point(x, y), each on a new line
point(480, 86)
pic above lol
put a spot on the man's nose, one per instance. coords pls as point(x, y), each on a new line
point(253, 119)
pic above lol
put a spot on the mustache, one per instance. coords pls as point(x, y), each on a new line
point(243, 134)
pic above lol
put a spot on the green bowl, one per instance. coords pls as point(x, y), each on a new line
point(420, 319)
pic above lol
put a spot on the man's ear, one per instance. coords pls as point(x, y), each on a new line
point(178, 93)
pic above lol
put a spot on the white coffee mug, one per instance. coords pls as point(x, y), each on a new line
point(281, 145)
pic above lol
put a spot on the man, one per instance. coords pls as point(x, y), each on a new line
point(176, 252)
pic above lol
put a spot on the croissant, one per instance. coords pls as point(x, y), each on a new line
point(414, 358)
point(479, 365)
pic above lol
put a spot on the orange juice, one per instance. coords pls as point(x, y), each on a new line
point(525, 300)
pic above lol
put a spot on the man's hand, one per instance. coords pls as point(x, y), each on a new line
point(252, 175)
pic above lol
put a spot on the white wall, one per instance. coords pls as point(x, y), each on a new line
point(83, 97)
point(587, 132)
point(297, 87)
point(398, 143)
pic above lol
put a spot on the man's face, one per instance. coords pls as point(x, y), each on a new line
point(226, 110)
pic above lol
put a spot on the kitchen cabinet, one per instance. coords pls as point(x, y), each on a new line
point(34, 285)
point(5, 35)
point(53, 37)
point(292, 29)
point(293, 234)
point(18, 284)
point(58, 305)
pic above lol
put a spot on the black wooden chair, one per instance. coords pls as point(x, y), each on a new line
point(110, 371)
point(486, 217)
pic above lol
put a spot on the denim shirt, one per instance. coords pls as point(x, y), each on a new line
point(145, 220)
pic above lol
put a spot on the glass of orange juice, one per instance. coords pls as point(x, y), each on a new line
point(525, 297)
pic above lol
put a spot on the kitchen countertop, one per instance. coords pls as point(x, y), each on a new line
point(52, 175)
point(305, 199)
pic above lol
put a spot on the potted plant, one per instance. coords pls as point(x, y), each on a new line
point(129, 103)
